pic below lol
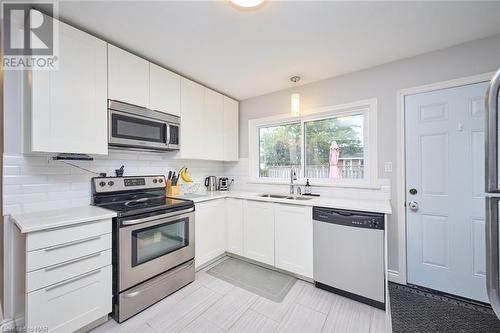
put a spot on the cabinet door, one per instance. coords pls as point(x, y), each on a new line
point(71, 304)
point(258, 231)
point(69, 105)
point(209, 231)
point(234, 226)
point(213, 126)
point(164, 90)
point(231, 129)
point(294, 239)
point(128, 77)
point(192, 101)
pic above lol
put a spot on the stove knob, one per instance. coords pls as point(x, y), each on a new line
point(102, 184)
point(155, 181)
point(111, 183)
point(161, 180)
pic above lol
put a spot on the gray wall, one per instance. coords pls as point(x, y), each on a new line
point(381, 82)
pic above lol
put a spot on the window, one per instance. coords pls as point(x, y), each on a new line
point(336, 146)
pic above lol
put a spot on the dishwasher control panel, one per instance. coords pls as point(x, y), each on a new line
point(349, 218)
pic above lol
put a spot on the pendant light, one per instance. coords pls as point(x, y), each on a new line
point(295, 99)
point(247, 3)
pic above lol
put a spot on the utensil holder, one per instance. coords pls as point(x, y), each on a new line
point(173, 190)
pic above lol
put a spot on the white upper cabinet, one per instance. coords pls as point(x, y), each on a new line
point(202, 119)
point(68, 111)
point(192, 101)
point(164, 90)
point(294, 239)
point(213, 126)
point(128, 77)
point(230, 130)
point(258, 231)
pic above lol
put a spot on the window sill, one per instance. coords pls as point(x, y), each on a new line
point(367, 185)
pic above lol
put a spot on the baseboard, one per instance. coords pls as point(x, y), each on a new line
point(8, 325)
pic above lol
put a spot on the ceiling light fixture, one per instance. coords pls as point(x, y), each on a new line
point(247, 3)
point(295, 99)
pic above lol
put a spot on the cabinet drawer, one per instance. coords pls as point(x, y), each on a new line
point(67, 251)
point(66, 270)
point(71, 304)
point(42, 239)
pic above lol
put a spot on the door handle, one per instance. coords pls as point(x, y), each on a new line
point(413, 206)
point(491, 106)
point(492, 256)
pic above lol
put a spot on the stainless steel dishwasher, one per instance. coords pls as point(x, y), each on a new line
point(349, 254)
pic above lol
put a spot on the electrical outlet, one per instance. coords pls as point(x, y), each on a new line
point(388, 166)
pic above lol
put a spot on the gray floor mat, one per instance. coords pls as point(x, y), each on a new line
point(261, 281)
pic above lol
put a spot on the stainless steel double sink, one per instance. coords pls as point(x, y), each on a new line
point(289, 197)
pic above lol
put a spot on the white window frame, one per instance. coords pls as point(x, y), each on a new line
point(367, 107)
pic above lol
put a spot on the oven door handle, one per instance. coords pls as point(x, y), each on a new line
point(157, 217)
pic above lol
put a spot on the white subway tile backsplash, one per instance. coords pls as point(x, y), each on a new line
point(36, 183)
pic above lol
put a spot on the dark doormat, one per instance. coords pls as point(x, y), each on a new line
point(417, 311)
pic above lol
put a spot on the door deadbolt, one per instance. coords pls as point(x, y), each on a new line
point(413, 206)
point(413, 191)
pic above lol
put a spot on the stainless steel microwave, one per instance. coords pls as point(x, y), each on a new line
point(130, 126)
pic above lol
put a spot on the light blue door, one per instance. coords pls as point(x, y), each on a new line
point(445, 173)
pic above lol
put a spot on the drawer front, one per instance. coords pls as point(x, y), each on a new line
point(43, 239)
point(71, 304)
point(63, 252)
point(53, 274)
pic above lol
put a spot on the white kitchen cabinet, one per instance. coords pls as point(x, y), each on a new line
point(66, 275)
point(294, 239)
point(128, 77)
point(192, 103)
point(258, 231)
point(68, 107)
point(164, 90)
point(231, 129)
point(234, 226)
point(213, 126)
point(209, 231)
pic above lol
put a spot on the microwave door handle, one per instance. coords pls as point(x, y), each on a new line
point(491, 105)
point(167, 135)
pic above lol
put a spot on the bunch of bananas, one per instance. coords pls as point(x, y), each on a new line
point(183, 173)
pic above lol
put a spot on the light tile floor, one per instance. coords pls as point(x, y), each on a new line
point(212, 305)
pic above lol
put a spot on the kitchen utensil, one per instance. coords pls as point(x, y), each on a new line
point(119, 172)
point(211, 183)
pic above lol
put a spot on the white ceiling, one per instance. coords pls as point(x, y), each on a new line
point(249, 53)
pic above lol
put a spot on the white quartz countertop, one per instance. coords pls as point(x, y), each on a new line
point(38, 221)
point(365, 205)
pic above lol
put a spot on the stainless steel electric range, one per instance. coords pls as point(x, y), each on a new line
point(153, 241)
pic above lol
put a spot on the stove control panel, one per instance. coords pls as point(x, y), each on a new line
point(117, 184)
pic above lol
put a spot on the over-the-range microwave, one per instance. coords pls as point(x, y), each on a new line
point(131, 126)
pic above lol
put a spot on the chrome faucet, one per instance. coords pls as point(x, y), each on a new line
point(293, 176)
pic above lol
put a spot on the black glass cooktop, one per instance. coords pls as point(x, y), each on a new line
point(139, 203)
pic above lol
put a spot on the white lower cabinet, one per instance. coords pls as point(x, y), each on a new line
point(294, 239)
point(209, 231)
point(258, 231)
point(71, 304)
point(68, 276)
point(234, 226)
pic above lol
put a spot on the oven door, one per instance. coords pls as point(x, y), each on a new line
point(131, 130)
point(151, 245)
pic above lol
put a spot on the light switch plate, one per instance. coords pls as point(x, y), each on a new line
point(388, 166)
